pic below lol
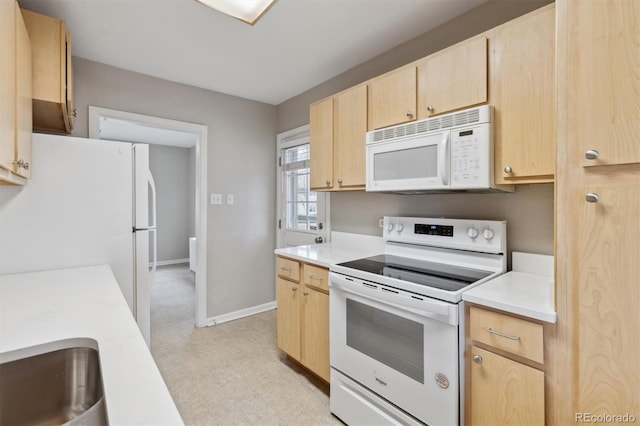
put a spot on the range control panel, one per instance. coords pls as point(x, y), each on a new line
point(427, 229)
point(489, 236)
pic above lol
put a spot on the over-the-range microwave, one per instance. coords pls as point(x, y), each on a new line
point(451, 152)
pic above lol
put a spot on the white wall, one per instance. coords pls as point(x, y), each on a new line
point(174, 177)
point(241, 160)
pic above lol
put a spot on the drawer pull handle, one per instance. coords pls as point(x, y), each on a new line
point(506, 336)
point(285, 269)
point(313, 277)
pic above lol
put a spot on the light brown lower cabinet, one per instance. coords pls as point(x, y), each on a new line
point(303, 314)
point(505, 375)
point(505, 392)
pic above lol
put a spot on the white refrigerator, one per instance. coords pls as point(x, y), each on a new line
point(89, 202)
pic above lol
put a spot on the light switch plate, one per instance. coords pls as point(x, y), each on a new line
point(229, 199)
point(216, 199)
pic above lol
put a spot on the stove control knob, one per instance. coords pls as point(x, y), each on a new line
point(399, 227)
point(472, 233)
point(487, 234)
point(390, 227)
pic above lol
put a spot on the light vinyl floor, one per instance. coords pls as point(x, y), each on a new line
point(232, 373)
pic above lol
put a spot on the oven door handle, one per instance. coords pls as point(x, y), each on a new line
point(440, 311)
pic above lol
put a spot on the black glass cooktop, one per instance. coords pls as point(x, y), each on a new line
point(431, 274)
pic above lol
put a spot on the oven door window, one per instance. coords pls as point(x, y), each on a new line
point(390, 339)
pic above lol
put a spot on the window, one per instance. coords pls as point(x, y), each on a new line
point(301, 204)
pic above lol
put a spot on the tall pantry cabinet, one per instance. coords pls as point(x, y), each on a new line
point(595, 364)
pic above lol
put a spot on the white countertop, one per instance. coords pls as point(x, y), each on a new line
point(527, 290)
point(342, 248)
point(41, 311)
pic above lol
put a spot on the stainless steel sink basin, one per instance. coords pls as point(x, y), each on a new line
point(53, 388)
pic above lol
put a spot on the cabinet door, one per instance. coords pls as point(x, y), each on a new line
point(523, 77)
point(24, 121)
point(321, 144)
point(606, 242)
point(7, 83)
point(505, 392)
point(605, 92)
point(288, 299)
point(350, 133)
point(392, 98)
point(453, 79)
point(315, 332)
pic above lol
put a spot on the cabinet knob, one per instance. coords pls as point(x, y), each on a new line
point(409, 114)
point(306, 293)
point(477, 359)
point(592, 154)
point(294, 288)
point(328, 182)
point(508, 170)
point(430, 108)
point(592, 197)
point(339, 181)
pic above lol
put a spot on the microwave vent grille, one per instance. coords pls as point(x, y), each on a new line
point(429, 125)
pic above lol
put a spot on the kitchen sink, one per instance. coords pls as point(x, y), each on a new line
point(58, 387)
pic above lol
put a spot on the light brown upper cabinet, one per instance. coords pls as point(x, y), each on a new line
point(338, 131)
point(52, 73)
point(392, 98)
point(321, 144)
point(350, 134)
point(609, 89)
point(522, 91)
point(15, 99)
point(453, 78)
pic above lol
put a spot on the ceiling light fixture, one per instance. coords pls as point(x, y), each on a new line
point(248, 11)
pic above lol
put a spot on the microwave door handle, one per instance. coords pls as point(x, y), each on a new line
point(443, 169)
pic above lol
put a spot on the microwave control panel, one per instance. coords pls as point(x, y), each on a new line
point(471, 157)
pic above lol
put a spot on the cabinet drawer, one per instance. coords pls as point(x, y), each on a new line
point(518, 336)
point(289, 269)
point(315, 276)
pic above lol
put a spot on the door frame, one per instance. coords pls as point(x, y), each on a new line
point(200, 131)
point(286, 140)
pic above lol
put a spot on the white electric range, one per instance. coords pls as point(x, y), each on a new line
point(397, 320)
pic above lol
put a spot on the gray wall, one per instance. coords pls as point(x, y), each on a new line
point(528, 211)
point(241, 158)
point(174, 177)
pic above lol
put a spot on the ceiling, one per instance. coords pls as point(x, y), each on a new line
point(295, 46)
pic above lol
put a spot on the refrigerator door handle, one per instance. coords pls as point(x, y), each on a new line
point(152, 185)
point(154, 264)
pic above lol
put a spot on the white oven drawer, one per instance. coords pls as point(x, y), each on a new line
point(356, 405)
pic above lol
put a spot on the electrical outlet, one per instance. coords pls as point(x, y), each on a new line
point(216, 199)
point(229, 199)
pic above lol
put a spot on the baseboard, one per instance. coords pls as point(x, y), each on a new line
point(171, 262)
point(219, 319)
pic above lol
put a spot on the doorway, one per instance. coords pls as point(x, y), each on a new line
point(109, 124)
